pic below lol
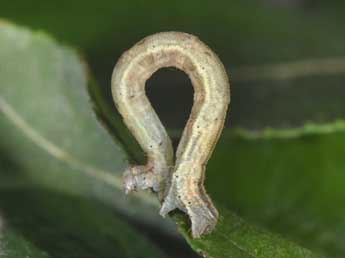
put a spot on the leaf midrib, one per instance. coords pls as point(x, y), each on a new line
point(55, 151)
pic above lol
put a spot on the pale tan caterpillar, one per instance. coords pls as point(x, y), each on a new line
point(181, 185)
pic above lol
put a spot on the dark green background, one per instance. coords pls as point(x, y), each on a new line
point(242, 33)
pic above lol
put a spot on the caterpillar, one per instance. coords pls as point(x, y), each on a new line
point(180, 183)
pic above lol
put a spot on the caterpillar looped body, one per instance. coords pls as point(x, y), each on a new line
point(179, 183)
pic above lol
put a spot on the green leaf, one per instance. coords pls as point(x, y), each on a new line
point(292, 184)
point(233, 237)
point(44, 223)
point(55, 159)
point(14, 244)
point(50, 125)
point(60, 225)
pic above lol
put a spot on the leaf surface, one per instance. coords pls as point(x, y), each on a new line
point(60, 170)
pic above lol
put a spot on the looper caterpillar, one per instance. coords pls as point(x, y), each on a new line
point(179, 185)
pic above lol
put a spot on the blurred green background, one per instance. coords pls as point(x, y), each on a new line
point(243, 33)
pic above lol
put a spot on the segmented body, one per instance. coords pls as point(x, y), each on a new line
point(180, 184)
